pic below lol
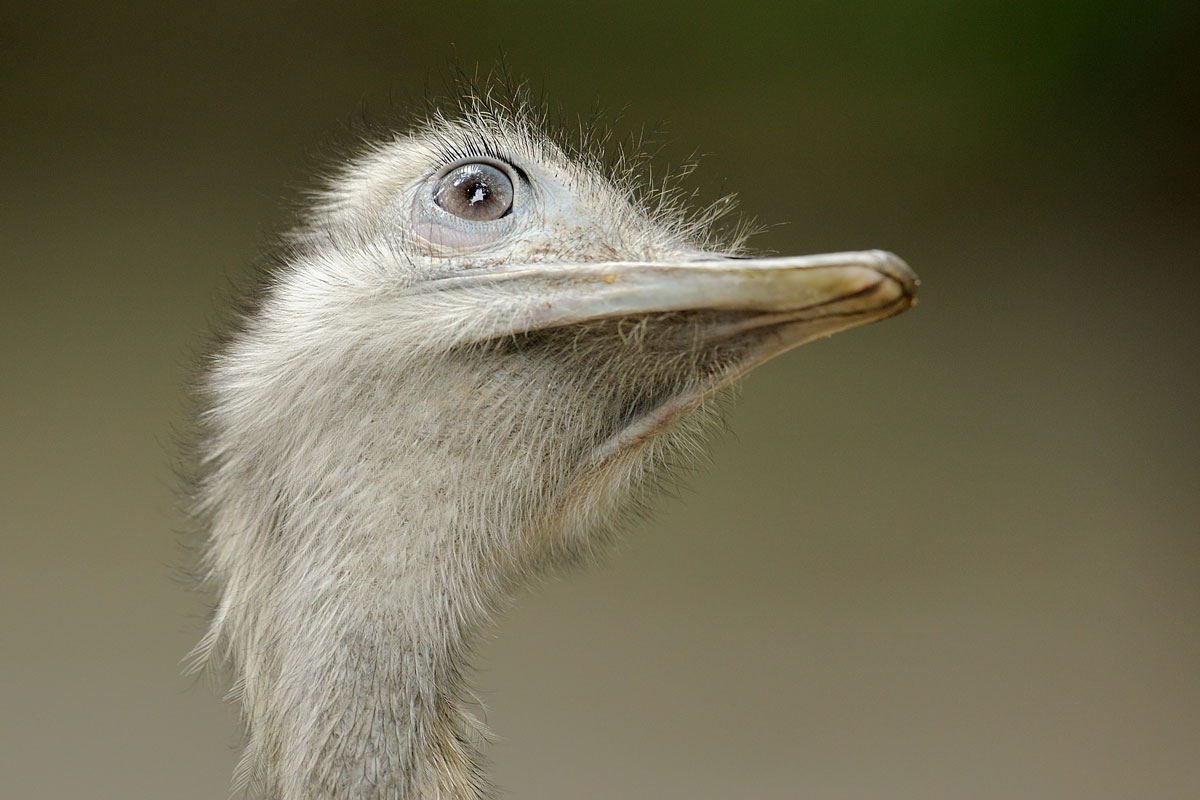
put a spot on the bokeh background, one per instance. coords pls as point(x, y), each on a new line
point(953, 555)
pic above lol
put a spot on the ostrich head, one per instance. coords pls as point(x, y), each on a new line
point(479, 357)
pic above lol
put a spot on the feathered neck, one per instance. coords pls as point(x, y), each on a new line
point(365, 524)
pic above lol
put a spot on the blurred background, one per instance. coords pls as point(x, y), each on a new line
point(953, 555)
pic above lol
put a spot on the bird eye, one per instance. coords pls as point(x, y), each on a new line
point(477, 192)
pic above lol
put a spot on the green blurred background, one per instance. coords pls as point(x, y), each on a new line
point(954, 555)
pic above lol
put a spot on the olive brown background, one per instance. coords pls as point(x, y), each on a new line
point(953, 555)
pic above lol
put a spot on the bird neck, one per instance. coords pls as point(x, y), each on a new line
point(374, 704)
point(361, 538)
point(356, 571)
point(352, 665)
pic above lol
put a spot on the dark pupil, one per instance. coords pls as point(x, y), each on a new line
point(473, 188)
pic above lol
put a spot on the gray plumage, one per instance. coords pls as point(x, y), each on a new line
point(481, 356)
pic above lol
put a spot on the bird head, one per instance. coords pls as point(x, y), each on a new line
point(479, 355)
point(473, 313)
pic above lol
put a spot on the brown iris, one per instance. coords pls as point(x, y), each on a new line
point(476, 191)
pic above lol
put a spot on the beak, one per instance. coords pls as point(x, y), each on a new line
point(801, 297)
point(769, 304)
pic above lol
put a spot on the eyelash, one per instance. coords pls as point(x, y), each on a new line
point(452, 154)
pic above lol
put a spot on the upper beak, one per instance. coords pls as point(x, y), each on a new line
point(806, 296)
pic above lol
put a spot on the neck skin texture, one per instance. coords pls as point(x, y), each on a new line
point(363, 534)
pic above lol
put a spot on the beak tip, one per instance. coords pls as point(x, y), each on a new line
point(893, 267)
